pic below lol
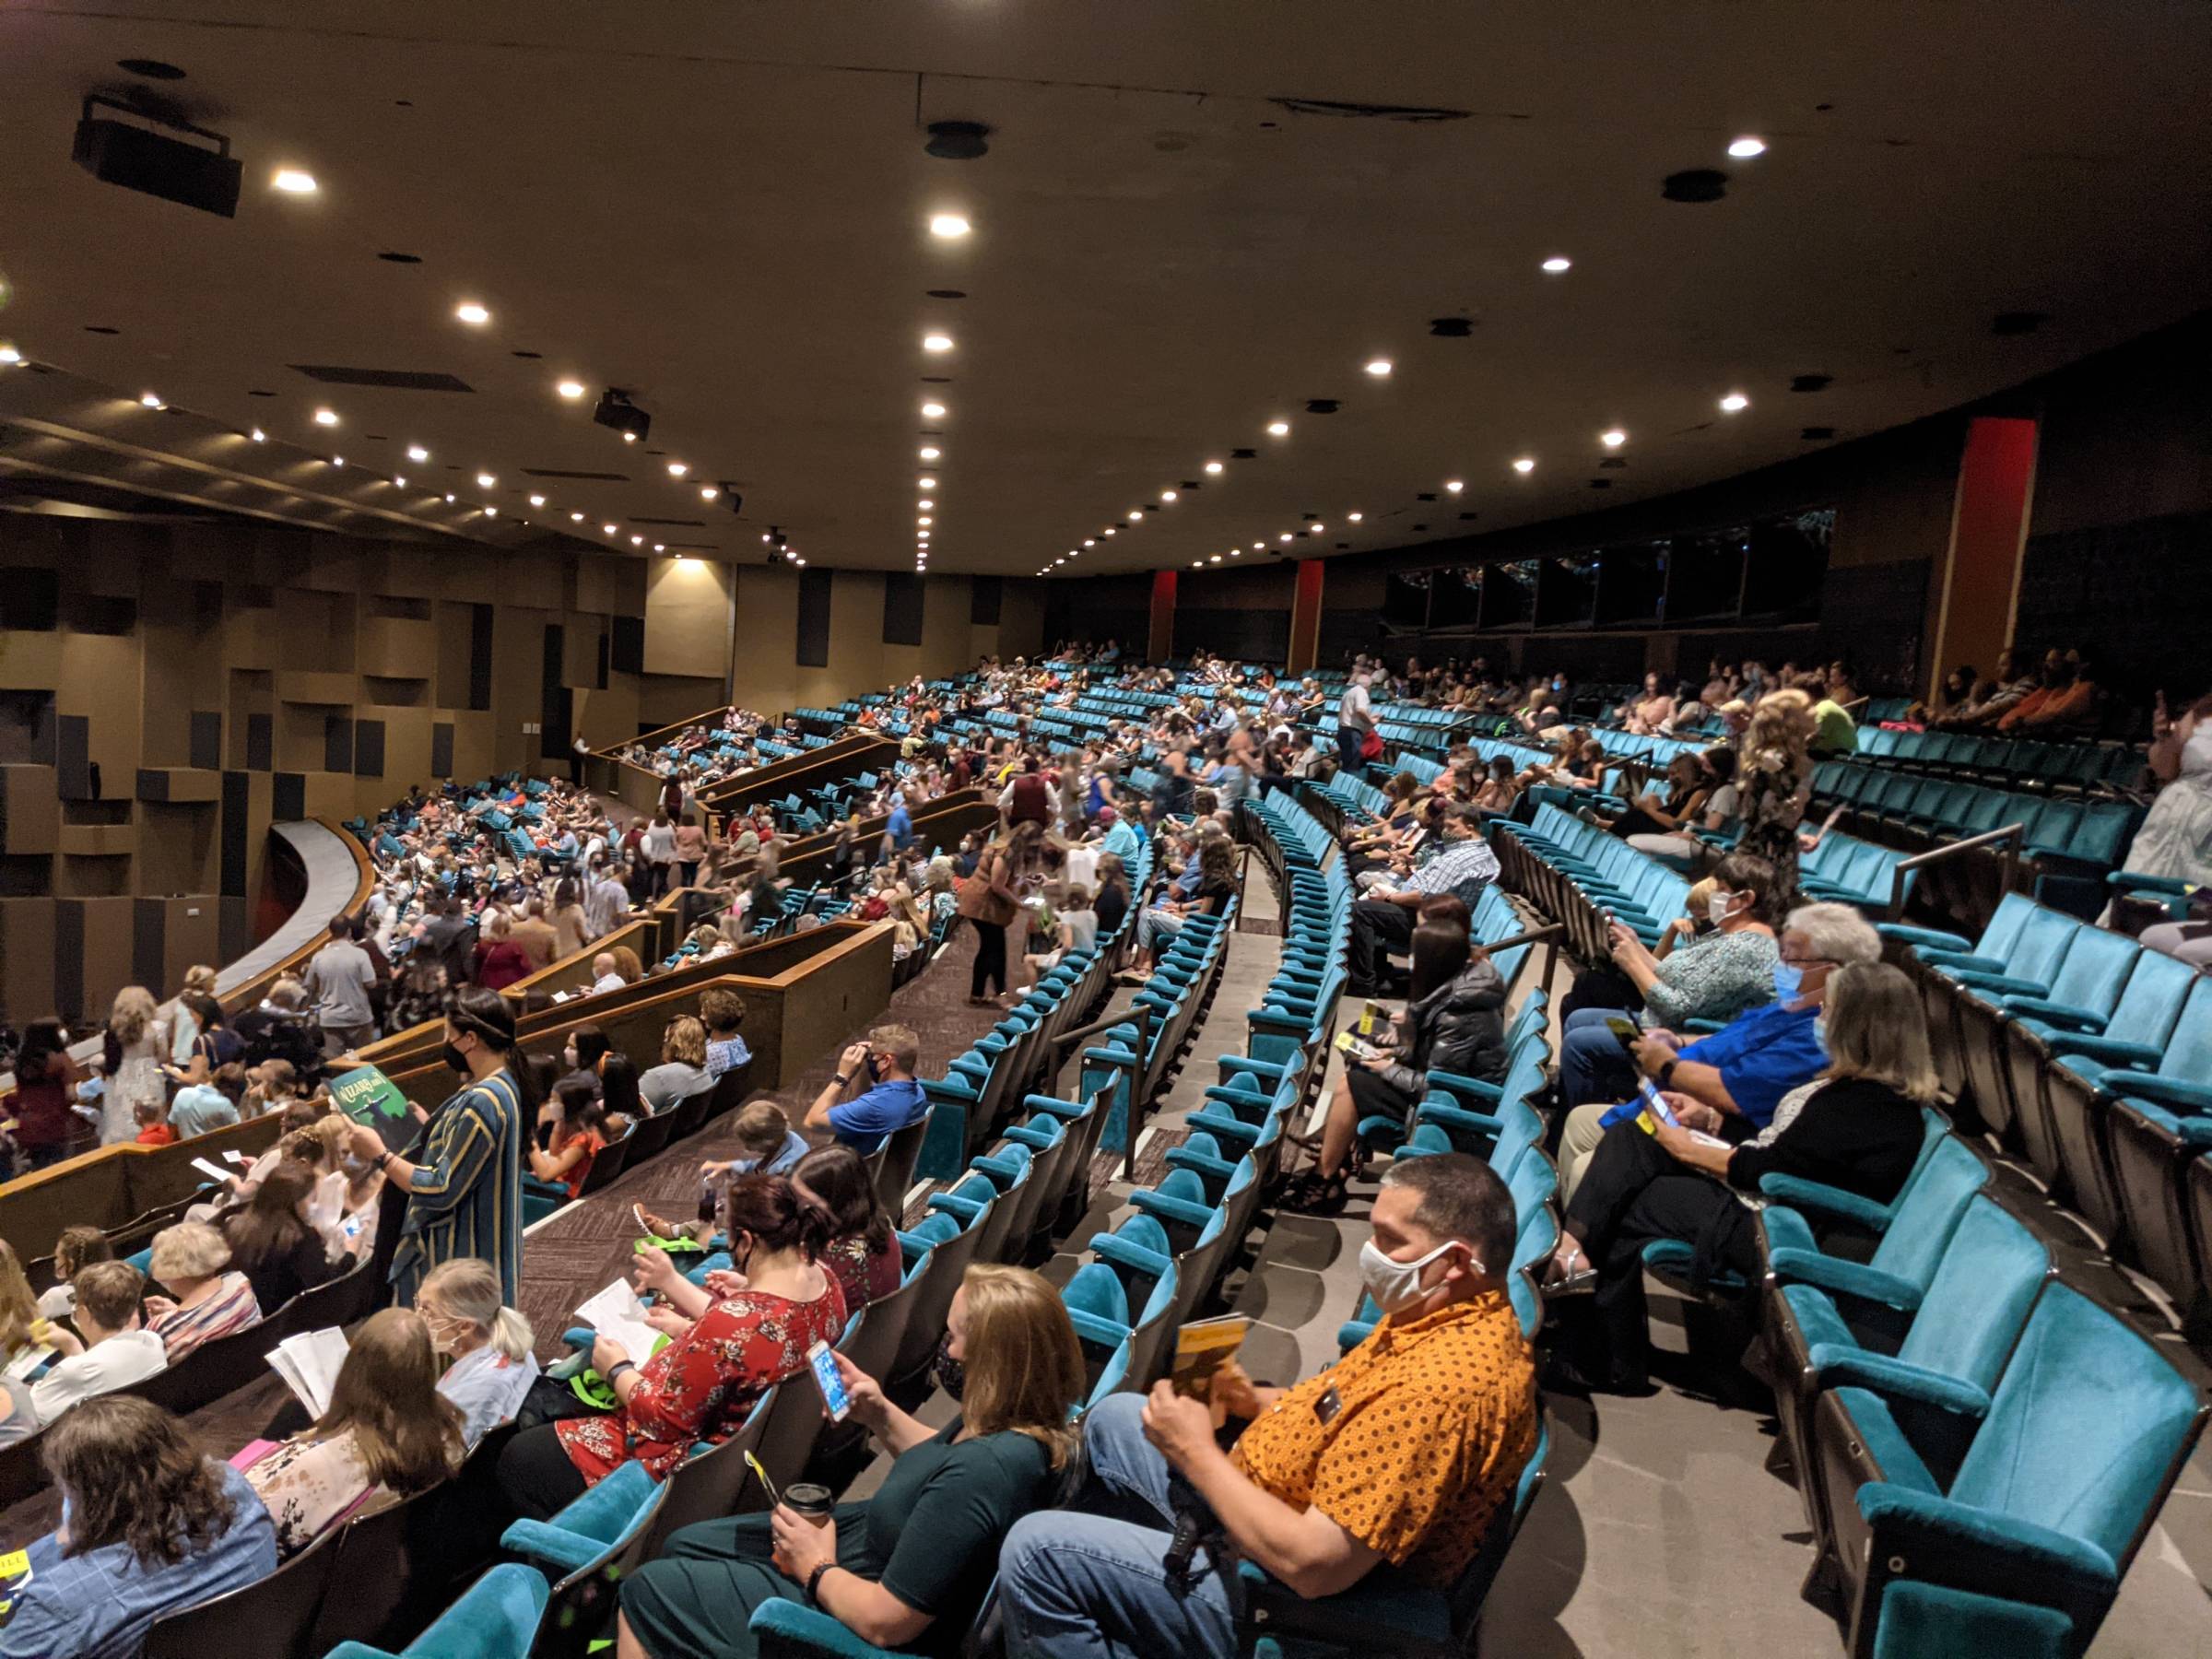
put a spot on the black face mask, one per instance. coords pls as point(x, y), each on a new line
point(947, 1374)
point(455, 1058)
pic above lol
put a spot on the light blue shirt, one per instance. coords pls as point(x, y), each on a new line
point(99, 1604)
point(489, 1388)
point(199, 1108)
point(1123, 841)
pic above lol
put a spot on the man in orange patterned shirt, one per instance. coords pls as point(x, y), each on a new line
point(1400, 1455)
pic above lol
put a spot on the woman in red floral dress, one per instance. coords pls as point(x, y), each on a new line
point(731, 1341)
point(862, 1253)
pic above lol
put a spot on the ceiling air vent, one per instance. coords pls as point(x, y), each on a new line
point(594, 478)
point(396, 379)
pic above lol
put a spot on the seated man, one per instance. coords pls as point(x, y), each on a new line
point(1463, 865)
point(873, 1094)
point(1402, 1453)
point(1743, 1069)
point(116, 1350)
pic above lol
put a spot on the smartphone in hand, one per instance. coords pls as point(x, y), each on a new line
point(822, 1361)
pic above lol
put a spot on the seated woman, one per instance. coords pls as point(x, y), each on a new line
point(1162, 922)
point(152, 1526)
point(205, 1298)
point(489, 1342)
point(575, 1124)
point(326, 1147)
point(1075, 927)
point(1856, 1127)
point(1715, 973)
point(388, 1434)
point(1650, 709)
point(1658, 818)
point(909, 1568)
point(1500, 793)
point(683, 1069)
point(728, 1348)
point(274, 1243)
point(1453, 1022)
point(862, 1252)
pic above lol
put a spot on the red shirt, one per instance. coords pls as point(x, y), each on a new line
point(703, 1384)
point(40, 1108)
point(864, 1274)
point(158, 1134)
point(503, 962)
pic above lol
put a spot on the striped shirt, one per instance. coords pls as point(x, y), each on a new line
point(230, 1309)
point(467, 1197)
point(1460, 868)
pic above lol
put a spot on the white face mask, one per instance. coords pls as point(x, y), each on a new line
point(1397, 1285)
point(1717, 906)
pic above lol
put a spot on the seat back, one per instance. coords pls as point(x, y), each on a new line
point(896, 1174)
point(941, 1273)
point(1928, 1211)
point(392, 1572)
point(2189, 1048)
point(2095, 969)
point(2152, 1001)
point(2087, 1429)
point(719, 1481)
point(1979, 1299)
point(274, 1616)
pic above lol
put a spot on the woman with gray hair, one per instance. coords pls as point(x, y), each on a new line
point(1858, 1125)
point(205, 1300)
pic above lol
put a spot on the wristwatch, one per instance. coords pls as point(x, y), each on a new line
point(620, 1367)
point(813, 1582)
point(844, 1081)
point(1666, 1073)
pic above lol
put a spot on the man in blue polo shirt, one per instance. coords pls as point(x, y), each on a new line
point(874, 1093)
point(900, 829)
point(1745, 1068)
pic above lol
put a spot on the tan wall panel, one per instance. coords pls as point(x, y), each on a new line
point(768, 628)
point(189, 936)
point(179, 848)
point(664, 700)
point(30, 661)
point(99, 680)
point(26, 959)
point(687, 617)
point(615, 586)
point(611, 713)
point(110, 933)
point(29, 810)
point(532, 579)
point(1021, 619)
point(406, 750)
point(398, 647)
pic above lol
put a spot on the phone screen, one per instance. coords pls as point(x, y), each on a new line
point(1656, 1105)
point(827, 1378)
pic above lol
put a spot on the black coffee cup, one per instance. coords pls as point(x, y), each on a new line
point(813, 1502)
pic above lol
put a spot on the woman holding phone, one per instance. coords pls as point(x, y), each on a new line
point(909, 1568)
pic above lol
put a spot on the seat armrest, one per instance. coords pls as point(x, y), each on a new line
point(783, 1627)
point(1802, 1194)
point(2014, 1549)
point(1884, 1374)
point(2057, 1014)
point(1116, 1251)
point(1446, 1116)
point(2196, 1098)
point(1840, 1277)
point(1465, 1089)
point(1173, 1209)
point(2111, 1051)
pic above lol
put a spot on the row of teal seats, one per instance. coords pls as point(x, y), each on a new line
point(2093, 1056)
point(1981, 1448)
point(2080, 767)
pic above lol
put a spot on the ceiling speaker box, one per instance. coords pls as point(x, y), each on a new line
point(155, 165)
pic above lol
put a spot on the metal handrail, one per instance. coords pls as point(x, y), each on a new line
point(2014, 835)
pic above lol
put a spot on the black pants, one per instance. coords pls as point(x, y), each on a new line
point(1378, 929)
point(990, 958)
point(1634, 1192)
point(535, 1474)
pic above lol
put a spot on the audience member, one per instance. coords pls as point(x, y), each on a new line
point(206, 1299)
point(863, 1252)
point(683, 1069)
point(721, 1011)
point(873, 1094)
point(47, 1126)
point(341, 980)
point(1461, 864)
point(575, 1126)
point(488, 1342)
point(113, 1348)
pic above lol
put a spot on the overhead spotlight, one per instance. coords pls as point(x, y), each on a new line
point(615, 409)
point(576, 518)
point(608, 529)
point(937, 342)
point(258, 435)
point(1734, 402)
point(1278, 429)
point(1614, 439)
point(570, 388)
point(1213, 468)
point(292, 181)
point(1743, 149)
point(1454, 485)
point(152, 400)
point(1527, 464)
point(486, 481)
point(326, 418)
point(958, 140)
point(949, 225)
point(730, 493)
point(1166, 495)
point(127, 153)
point(1355, 517)
point(416, 452)
point(677, 469)
point(1557, 262)
point(472, 313)
point(1378, 367)
point(929, 452)
point(933, 411)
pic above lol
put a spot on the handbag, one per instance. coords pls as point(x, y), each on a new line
point(1370, 746)
point(979, 901)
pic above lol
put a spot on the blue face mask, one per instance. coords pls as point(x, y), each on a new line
point(1820, 1032)
point(1788, 978)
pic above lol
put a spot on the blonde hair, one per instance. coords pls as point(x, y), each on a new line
point(761, 1127)
point(408, 1436)
point(200, 978)
point(1875, 1029)
point(1781, 723)
point(133, 1012)
point(685, 1041)
point(190, 1250)
point(469, 1288)
point(18, 1307)
point(1024, 1366)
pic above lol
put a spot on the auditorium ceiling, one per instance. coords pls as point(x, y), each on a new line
point(1189, 224)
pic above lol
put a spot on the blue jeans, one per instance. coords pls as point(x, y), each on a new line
point(1593, 1064)
point(1348, 740)
point(1078, 1587)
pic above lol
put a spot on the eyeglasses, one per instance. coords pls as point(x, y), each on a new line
point(1807, 961)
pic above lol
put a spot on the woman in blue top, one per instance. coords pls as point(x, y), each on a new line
point(464, 1183)
point(148, 1526)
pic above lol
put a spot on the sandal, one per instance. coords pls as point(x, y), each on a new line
point(1574, 1281)
point(1315, 1194)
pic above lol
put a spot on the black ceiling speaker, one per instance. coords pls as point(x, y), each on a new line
point(958, 140)
point(139, 159)
point(1695, 184)
point(1450, 328)
point(729, 494)
point(1812, 382)
point(616, 410)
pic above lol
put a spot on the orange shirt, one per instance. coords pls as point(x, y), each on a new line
point(158, 1134)
point(1435, 1419)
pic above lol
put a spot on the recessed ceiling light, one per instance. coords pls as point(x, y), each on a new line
point(1527, 464)
point(937, 342)
point(629, 437)
point(663, 547)
point(577, 518)
point(258, 435)
point(416, 452)
point(608, 529)
point(1614, 439)
point(492, 512)
point(1090, 541)
point(1735, 401)
point(1454, 485)
point(399, 480)
point(1059, 562)
point(1166, 495)
point(326, 418)
point(1355, 517)
point(1315, 528)
point(637, 541)
point(152, 400)
point(1278, 429)
point(338, 460)
point(469, 312)
point(486, 481)
point(537, 500)
point(1257, 545)
point(1213, 468)
point(1108, 531)
point(925, 503)
point(1236, 552)
point(1378, 367)
point(570, 388)
point(797, 560)
point(292, 181)
point(948, 224)
point(1216, 560)
point(8, 354)
point(924, 519)
point(677, 469)
point(926, 483)
point(448, 498)
point(1285, 537)
point(928, 453)
point(1557, 262)
point(1197, 564)
point(1743, 149)
point(932, 411)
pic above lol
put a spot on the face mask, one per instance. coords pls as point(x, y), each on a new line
point(454, 1058)
point(1788, 978)
point(1395, 1285)
point(1820, 1032)
point(1717, 906)
point(947, 1374)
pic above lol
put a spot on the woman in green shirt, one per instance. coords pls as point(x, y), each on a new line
point(909, 1568)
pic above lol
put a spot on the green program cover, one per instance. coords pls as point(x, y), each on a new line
point(366, 1096)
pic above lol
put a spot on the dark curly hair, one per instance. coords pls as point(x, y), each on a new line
point(768, 1208)
point(133, 1477)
